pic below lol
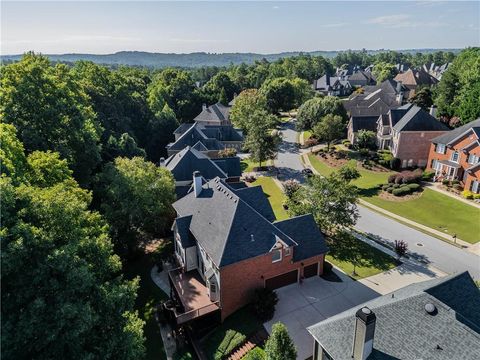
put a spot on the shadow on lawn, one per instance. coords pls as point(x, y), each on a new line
point(370, 192)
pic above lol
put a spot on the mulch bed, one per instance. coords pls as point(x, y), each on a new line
point(332, 160)
point(385, 195)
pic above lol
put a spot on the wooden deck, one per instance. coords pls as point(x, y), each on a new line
point(193, 294)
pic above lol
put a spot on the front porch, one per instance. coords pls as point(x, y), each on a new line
point(446, 170)
point(191, 296)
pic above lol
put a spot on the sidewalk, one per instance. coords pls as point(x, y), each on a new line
point(437, 187)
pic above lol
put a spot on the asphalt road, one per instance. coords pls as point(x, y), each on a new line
point(437, 253)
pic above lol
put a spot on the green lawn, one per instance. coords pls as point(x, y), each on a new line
point(306, 135)
point(438, 211)
point(149, 295)
point(234, 330)
point(372, 260)
point(247, 165)
point(275, 196)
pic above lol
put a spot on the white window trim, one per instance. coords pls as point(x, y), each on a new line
point(440, 146)
point(280, 252)
point(458, 157)
point(473, 159)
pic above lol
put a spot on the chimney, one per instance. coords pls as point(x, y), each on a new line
point(162, 162)
point(204, 106)
point(364, 333)
point(433, 111)
point(197, 183)
point(399, 87)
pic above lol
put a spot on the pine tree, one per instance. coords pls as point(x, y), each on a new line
point(279, 345)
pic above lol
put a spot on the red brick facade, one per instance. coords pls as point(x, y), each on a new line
point(437, 161)
point(412, 147)
point(239, 281)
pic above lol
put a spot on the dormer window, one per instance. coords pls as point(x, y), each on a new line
point(276, 255)
point(440, 148)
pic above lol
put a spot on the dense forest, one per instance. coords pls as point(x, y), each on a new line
point(81, 189)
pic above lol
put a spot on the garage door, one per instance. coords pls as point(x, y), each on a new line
point(282, 280)
point(310, 270)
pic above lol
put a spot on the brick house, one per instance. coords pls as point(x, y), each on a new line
point(228, 244)
point(456, 155)
point(407, 132)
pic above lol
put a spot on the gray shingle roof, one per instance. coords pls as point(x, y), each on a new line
point(206, 137)
point(183, 224)
point(228, 228)
point(183, 164)
point(255, 197)
point(455, 133)
point(230, 166)
point(417, 119)
point(404, 330)
point(216, 112)
point(305, 232)
point(364, 123)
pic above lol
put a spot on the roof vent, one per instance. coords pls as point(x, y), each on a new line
point(430, 309)
point(252, 238)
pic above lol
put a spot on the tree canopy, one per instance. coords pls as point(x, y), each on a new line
point(279, 345)
point(313, 110)
point(330, 128)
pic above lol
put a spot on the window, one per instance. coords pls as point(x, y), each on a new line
point(213, 287)
point(454, 156)
point(287, 251)
point(475, 186)
point(440, 148)
point(473, 159)
point(276, 255)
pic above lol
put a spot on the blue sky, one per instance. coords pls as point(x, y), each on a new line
point(228, 26)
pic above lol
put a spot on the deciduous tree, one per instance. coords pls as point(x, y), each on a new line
point(279, 345)
point(313, 110)
point(329, 129)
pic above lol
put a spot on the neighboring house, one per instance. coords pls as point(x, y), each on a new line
point(401, 68)
point(361, 78)
point(435, 70)
point(357, 123)
point(433, 320)
point(332, 85)
point(407, 133)
point(216, 114)
point(456, 155)
point(228, 244)
point(186, 162)
point(413, 78)
point(208, 139)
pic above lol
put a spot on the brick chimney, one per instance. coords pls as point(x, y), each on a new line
point(364, 332)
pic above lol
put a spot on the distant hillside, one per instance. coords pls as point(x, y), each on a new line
point(160, 60)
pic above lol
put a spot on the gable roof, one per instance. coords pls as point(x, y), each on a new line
point(404, 330)
point(226, 226)
point(416, 119)
point(458, 132)
point(413, 77)
point(216, 112)
point(183, 164)
point(255, 197)
point(183, 224)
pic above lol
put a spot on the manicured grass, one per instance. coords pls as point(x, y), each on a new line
point(306, 135)
point(149, 295)
point(275, 196)
point(320, 166)
point(234, 330)
point(248, 165)
point(372, 260)
point(438, 211)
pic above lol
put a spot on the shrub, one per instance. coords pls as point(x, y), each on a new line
point(457, 187)
point(390, 190)
point(385, 186)
point(396, 186)
point(255, 354)
point(395, 163)
point(404, 190)
point(311, 142)
point(467, 194)
point(455, 182)
point(225, 153)
point(401, 248)
point(428, 175)
point(476, 196)
point(264, 303)
point(414, 187)
point(391, 178)
point(398, 179)
point(363, 152)
point(250, 178)
point(446, 182)
point(290, 187)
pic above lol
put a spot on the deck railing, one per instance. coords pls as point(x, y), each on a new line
point(195, 313)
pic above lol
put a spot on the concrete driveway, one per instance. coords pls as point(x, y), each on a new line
point(316, 299)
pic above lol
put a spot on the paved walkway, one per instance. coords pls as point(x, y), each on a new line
point(438, 187)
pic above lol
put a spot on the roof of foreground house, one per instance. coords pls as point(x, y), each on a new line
point(364, 123)
point(414, 118)
point(232, 225)
point(405, 330)
point(458, 132)
point(216, 112)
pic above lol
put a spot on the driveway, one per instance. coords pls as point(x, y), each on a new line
point(316, 299)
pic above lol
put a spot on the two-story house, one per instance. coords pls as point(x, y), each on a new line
point(456, 155)
point(407, 133)
point(432, 320)
point(228, 244)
